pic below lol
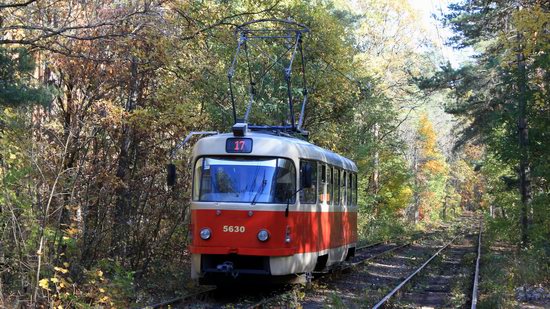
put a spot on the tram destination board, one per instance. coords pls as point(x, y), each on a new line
point(238, 145)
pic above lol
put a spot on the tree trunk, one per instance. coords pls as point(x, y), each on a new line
point(524, 181)
point(376, 171)
point(119, 239)
point(413, 212)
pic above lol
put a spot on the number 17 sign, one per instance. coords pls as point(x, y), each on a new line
point(238, 145)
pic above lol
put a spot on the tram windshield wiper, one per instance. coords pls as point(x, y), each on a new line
point(260, 190)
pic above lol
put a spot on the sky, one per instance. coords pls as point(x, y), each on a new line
point(427, 8)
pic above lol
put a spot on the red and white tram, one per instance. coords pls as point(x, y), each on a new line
point(269, 205)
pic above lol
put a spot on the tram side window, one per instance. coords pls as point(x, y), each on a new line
point(355, 188)
point(308, 195)
point(350, 190)
point(343, 188)
point(330, 179)
point(323, 197)
point(285, 184)
point(337, 187)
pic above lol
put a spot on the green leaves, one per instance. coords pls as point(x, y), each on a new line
point(16, 84)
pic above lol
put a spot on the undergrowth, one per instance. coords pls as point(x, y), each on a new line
point(506, 266)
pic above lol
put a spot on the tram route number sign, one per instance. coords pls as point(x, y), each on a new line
point(238, 145)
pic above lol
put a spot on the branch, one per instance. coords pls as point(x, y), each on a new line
point(223, 21)
point(50, 32)
point(398, 124)
point(15, 5)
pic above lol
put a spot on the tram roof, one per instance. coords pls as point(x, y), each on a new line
point(265, 144)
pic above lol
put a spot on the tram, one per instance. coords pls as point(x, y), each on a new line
point(265, 202)
point(269, 205)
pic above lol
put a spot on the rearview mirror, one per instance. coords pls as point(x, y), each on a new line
point(171, 174)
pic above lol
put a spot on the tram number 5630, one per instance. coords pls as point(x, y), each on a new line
point(234, 228)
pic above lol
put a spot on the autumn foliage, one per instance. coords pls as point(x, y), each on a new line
point(95, 95)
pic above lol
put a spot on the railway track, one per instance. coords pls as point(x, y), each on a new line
point(443, 280)
point(364, 253)
point(369, 258)
point(475, 292)
point(434, 285)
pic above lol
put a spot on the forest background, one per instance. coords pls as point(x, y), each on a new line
point(94, 95)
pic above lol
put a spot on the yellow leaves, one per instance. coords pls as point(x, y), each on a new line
point(433, 159)
point(435, 166)
point(428, 137)
point(61, 270)
point(400, 199)
point(44, 283)
point(432, 172)
point(406, 193)
point(530, 22)
point(10, 112)
point(538, 100)
point(72, 231)
point(104, 299)
point(57, 285)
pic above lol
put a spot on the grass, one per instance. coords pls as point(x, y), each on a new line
point(496, 285)
point(336, 301)
point(382, 228)
point(504, 268)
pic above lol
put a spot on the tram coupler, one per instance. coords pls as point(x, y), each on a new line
point(227, 268)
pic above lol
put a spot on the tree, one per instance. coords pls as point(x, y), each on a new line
point(18, 91)
point(431, 174)
point(499, 95)
point(17, 86)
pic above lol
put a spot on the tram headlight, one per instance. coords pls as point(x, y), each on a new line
point(263, 235)
point(206, 233)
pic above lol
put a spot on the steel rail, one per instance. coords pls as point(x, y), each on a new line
point(370, 245)
point(264, 301)
point(476, 274)
point(408, 243)
point(350, 265)
point(398, 239)
point(390, 294)
point(257, 305)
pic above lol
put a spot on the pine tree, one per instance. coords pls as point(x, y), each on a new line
point(16, 84)
point(502, 97)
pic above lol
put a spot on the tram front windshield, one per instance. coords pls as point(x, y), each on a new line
point(244, 180)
